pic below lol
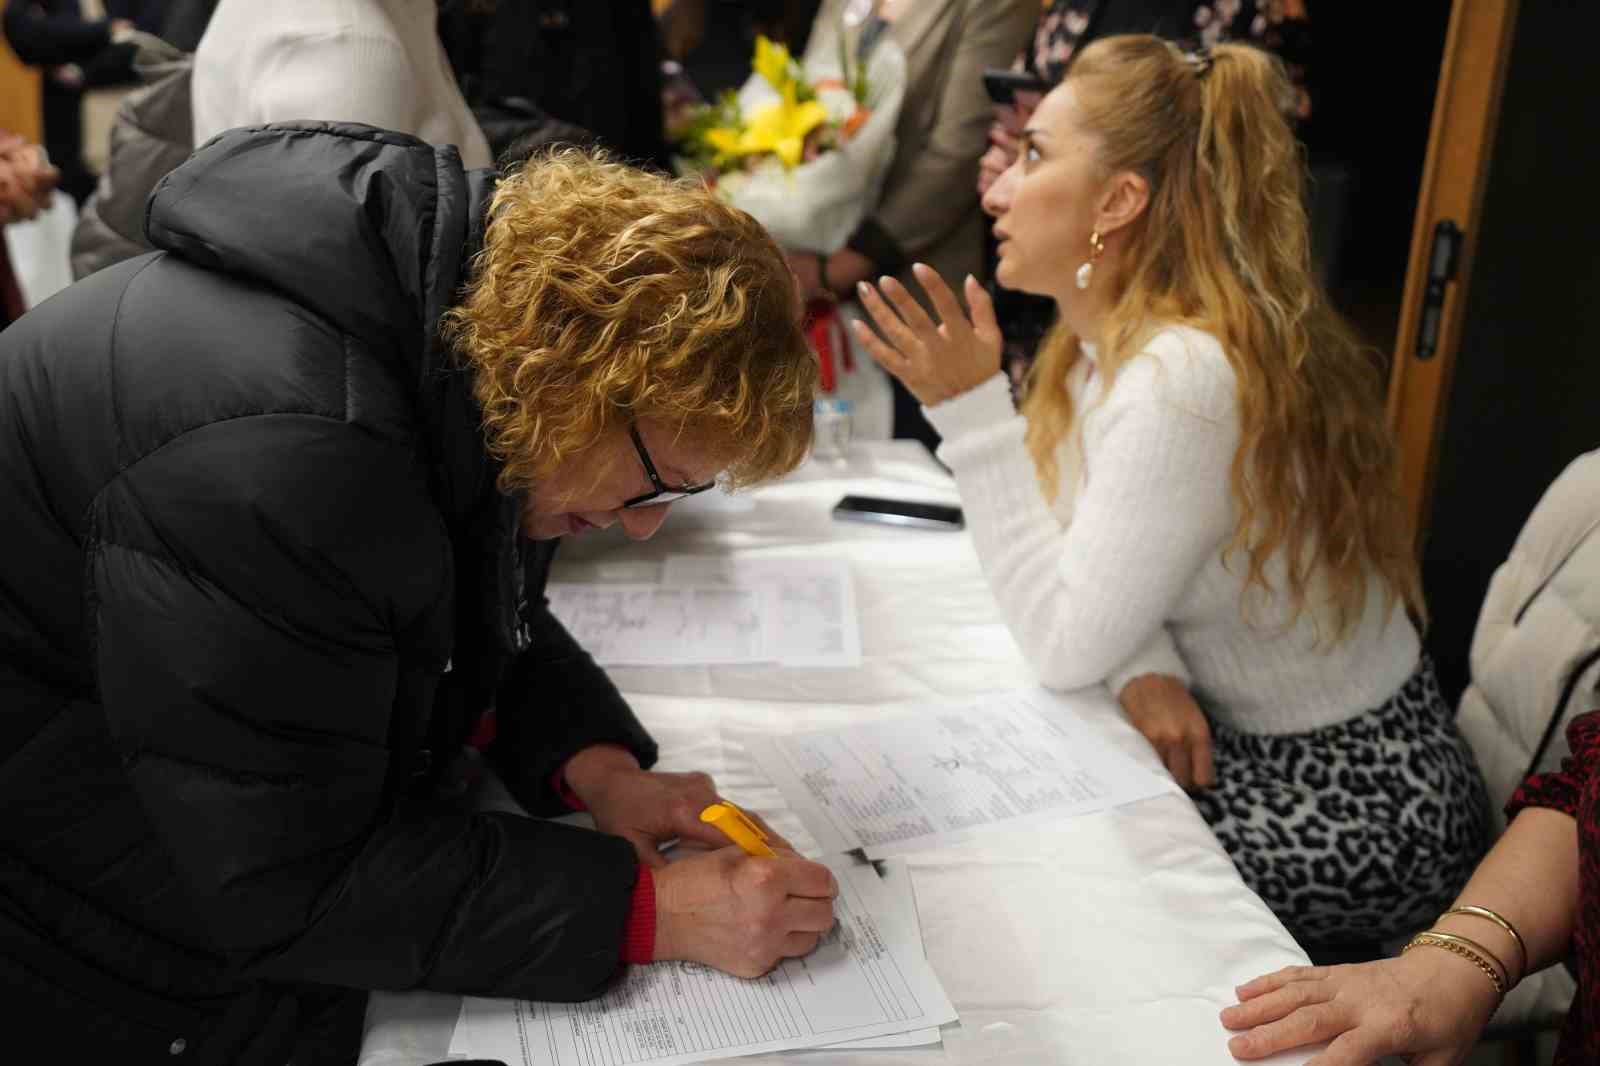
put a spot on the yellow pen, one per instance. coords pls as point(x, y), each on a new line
point(737, 827)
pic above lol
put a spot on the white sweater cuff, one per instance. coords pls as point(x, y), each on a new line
point(1158, 656)
point(966, 419)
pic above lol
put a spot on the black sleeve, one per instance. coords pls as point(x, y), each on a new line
point(43, 39)
point(259, 590)
point(555, 702)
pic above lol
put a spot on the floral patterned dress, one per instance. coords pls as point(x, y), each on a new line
point(1575, 789)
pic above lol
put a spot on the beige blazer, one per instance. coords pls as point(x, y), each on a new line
point(930, 197)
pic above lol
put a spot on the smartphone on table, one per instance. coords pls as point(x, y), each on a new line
point(911, 513)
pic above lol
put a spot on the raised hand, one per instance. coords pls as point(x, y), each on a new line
point(934, 360)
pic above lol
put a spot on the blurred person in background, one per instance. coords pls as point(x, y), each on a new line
point(541, 72)
point(712, 40)
point(379, 62)
point(27, 181)
point(929, 208)
point(76, 54)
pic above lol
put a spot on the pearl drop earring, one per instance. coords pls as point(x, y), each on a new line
point(1097, 245)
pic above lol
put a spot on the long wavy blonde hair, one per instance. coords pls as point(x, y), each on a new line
point(1223, 246)
point(605, 295)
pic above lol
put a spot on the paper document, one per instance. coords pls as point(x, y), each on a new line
point(808, 605)
point(639, 625)
point(936, 775)
point(894, 875)
point(866, 979)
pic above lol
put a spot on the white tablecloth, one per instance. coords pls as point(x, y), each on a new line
point(1105, 939)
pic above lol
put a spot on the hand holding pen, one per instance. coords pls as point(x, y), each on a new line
point(742, 909)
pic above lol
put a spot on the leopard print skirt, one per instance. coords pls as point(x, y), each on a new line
point(1362, 831)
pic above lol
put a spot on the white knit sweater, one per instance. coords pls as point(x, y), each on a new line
point(1124, 575)
point(373, 61)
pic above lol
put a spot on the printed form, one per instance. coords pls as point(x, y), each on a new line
point(867, 979)
point(651, 625)
point(808, 605)
point(939, 774)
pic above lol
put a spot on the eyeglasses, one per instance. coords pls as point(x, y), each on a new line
point(662, 493)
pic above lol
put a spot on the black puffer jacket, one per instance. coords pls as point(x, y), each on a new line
point(253, 573)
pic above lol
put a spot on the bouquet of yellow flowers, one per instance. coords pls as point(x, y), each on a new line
point(803, 147)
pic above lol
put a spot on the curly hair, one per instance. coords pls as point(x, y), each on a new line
point(1224, 246)
point(604, 295)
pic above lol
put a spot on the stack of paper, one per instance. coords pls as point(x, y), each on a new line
point(706, 610)
point(867, 984)
point(933, 776)
point(942, 774)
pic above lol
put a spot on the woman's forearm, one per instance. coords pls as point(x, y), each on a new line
point(1529, 878)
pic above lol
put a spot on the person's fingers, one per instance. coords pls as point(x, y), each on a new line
point(984, 322)
point(1203, 769)
point(802, 877)
point(645, 848)
point(808, 915)
point(899, 335)
point(1270, 1006)
point(1363, 1046)
point(798, 944)
point(1175, 753)
point(775, 840)
point(911, 312)
point(1311, 1024)
point(885, 355)
point(1267, 982)
point(944, 301)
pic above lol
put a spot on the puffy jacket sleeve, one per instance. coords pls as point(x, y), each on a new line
point(263, 592)
point(556, 701)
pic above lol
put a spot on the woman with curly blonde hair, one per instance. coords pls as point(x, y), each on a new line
point(281, 500)
point(1201, 493)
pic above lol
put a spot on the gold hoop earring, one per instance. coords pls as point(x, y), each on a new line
point(1097, 245)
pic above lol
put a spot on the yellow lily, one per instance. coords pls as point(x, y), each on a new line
point(772, 62)
point(781, 127)
point(725, 140)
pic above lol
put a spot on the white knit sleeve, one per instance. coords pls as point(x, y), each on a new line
point(338, 77)
point(1159, 655)
point(1154, 509)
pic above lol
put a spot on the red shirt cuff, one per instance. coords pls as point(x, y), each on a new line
point(639, 935)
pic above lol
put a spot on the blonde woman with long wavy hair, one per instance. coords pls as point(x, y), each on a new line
point(1198, 504)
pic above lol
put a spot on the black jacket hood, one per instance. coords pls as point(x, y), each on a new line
point(375, 239)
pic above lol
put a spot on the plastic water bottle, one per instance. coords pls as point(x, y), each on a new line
point(830, 419)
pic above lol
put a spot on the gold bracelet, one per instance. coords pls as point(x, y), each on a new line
point(1489, 915)
point(1470, 950)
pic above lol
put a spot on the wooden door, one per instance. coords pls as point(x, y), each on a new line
point(19, 93)
point(1444, 238)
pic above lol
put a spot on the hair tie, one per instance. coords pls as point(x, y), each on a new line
point(1200, 60)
